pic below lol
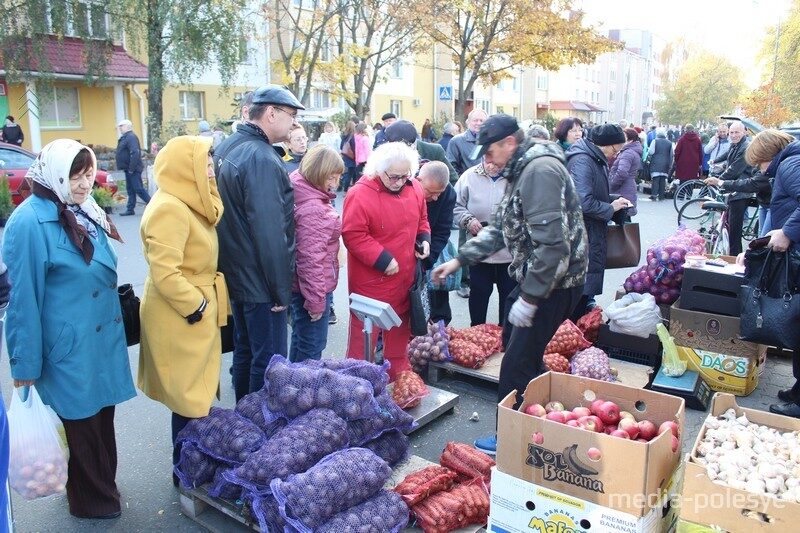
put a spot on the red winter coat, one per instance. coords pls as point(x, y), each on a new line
point(317, 231)
point(378, 226)
point(688, 156)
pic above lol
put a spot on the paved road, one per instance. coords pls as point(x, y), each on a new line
point(150, 503)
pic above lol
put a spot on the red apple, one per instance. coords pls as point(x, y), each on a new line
point(629, 425)
point(573, 423)
point(668, 425)
point(537, 438)
point(640, 439)
point(535, 409)
point(582, 411)
point(554, 406)
point(675, 444)
point(569, 415)
point(608, 413)
point(609, 428)
point(595, 405)
point(620, 433)
point(647, 430)
point(590, 423)
point(556, 416)
point(594, 454)
point(626, 414)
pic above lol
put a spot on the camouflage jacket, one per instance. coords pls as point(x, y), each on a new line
point(539, 220)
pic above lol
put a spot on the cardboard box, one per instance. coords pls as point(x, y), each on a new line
point(561, 462)
point(710, 332)
point(725, 373)
point(521, 507)
point(729, 509)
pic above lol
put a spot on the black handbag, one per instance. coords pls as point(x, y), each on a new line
point(129, 303)
point(420, 308)
point(770, 300)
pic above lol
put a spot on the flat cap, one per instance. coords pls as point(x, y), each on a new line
point(494, 129)
point(275, 94)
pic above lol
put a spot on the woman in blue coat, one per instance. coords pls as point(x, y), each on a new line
point(65, 331)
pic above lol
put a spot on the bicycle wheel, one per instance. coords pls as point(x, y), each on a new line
point(705, 223)
point(692, 210)
point(751, 227)
point(692, 190)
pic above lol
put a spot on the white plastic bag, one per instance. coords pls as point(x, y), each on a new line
point(37, 463)
point(634, 314)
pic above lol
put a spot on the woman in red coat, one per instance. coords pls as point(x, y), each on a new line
point(688, 155)
point(384, 216)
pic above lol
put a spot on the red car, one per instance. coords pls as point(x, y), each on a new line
point(16, 162)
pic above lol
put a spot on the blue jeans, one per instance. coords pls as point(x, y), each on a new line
point(308, 338)
point(258, 335)
point(134, 186)
point(763, 221)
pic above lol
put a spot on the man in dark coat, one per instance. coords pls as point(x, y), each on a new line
point(587, 162)
point(388, 119)
point(449, 132)
point(688, 155)
point(129, 159)
point(462, 146)
point(736, 169)
point(12, 133)
point(256, 235)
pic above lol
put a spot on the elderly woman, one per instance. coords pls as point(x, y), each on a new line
point(383, 222)
point(587, 162)
point(64, 323)
point(185, 300)
point(625, 168)
point(568, 131)
point(317, 231)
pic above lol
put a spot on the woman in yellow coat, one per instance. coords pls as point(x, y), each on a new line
point(185, 300)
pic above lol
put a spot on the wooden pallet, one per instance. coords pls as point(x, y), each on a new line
point(223, 516)
point(489, 372)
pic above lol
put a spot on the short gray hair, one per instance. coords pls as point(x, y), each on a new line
point(661, 132)
point(387, 154)
point(537, 131)
point(437, 172)
point(450, 128)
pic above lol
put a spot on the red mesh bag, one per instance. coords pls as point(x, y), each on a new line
point(556, 362)
point(590, 323)
point(467, 462)
point(408, 389)
point(448, 510)
point(424, 483)
point(467, 353)
point(567, 340)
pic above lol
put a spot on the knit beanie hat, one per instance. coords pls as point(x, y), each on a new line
point(607, 134)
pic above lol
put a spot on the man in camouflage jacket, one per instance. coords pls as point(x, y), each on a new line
point(541, 223)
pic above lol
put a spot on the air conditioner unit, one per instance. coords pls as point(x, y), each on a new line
point(417, 102)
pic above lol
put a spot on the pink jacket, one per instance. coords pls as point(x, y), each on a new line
point(363, 148)
point(317, 231)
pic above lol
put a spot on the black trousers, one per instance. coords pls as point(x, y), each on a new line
point(92, 468)
point(736, 209)
point(462, 238)
point(525, 347)
point(440, 306)
point(178, 423)
point(484, 277)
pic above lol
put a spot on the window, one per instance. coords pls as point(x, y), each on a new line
point(325, 52)
point(541, 82)
point(515, 111)
point(514, 84)
point(610, 96)
point(78, 18)
point(396, 107)
point(577, 94)
point(245, 52)
point(585, 95)
point(191, 105)
point(396, 68)
point(59, 107)
point(320, 98)
point(594, 76)
point(12, 159)
point(482, 104)
point(612, 75)
point(500, 109)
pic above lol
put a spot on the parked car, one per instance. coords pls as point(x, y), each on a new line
point(15, 161)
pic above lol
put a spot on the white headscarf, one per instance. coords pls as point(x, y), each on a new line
point(51, 169)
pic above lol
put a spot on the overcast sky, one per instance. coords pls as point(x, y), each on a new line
point(733, 28)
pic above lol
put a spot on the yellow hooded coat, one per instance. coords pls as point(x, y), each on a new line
point(179, 363)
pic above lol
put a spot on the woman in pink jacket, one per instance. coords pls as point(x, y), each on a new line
point(318, 228)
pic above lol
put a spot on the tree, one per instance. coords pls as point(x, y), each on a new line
point(782, 63)
point(180, 38)
point(766, 106)
point(486, 38)
point(705, 87)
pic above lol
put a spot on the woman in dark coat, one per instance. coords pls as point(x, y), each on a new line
point(626, 166)
point(688, 155)
point(587, 162)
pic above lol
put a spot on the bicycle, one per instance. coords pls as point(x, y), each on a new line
point(709, 218)
point(693, 190)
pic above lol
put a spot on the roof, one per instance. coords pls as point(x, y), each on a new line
point(572, 105)
point(67, 57)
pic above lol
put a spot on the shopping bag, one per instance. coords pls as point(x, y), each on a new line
point(420, 311)
point(453, 281)
point(37, 461)
point(623, 246)
point(129, 304)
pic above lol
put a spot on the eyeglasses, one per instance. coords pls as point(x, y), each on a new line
point(293, 115)
point(401, 177)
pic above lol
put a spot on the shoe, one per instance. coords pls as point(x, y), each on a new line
point(786, 409)
point(788, 395)
point(127, 214)
point(463, 292)
point(332, 318)
point(487, 445)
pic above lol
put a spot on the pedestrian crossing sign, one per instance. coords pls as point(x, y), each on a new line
point(445, 92)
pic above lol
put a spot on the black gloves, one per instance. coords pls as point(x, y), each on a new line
point(197, 315)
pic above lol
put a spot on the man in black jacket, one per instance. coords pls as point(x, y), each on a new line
point(440, 198)
point(129, 159)
point(256, 235)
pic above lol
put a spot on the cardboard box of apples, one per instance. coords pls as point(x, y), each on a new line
point(578, 435)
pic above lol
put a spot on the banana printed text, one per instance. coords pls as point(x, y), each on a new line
point(563, 466)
